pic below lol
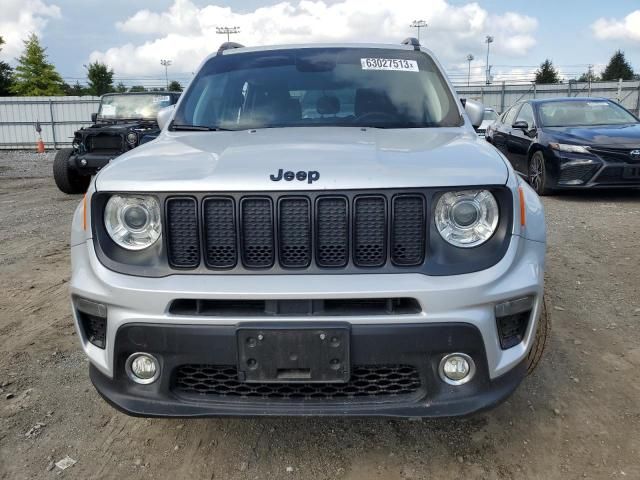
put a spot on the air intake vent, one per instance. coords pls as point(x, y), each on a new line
point(182, 241)
point(220, 233)
point(257, 232)
point(295, 232)
point(408, 230)
point(332, 232)
point(370, 232)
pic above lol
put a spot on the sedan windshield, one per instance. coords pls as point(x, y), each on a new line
point(584, 113)
point(318, 87)
point(138, 106)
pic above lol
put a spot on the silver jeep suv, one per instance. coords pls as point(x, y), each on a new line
point(317, 230)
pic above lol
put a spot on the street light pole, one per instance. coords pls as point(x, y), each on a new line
point(228, 31)
point(489, 41)
point(418, 24)
point(469, 59)
point(166, 64)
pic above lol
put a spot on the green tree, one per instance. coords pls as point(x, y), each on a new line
point(174, 86)
point(547, 73)
point(137, 88)
point(75, 90)
point(100, 78)
point(589, 77)
point(617, 68)
point(34, 75)
point(6, 73)
point(121, 87)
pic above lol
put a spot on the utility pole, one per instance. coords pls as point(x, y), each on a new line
point(166, 64)
point(228, 31)
point(489, 41)
point(469, 59)
point(590, 74)
point(418, 24)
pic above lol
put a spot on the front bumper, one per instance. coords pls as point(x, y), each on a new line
point(417, 345)
point(93, 162)
point(577, 171)
point(457, 316)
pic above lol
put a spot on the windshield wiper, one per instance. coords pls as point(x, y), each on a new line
point(197, 128)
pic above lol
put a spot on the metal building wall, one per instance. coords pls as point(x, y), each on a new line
point(59, 117)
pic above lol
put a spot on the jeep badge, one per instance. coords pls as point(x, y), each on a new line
point(310, 176)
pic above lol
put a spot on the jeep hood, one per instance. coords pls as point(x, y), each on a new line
point(346, 158)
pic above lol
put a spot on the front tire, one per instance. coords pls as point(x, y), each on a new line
point(540, 340)
point(68, 180)
point(537, 174)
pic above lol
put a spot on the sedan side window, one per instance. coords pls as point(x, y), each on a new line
point(526, 115)
point(509, 116)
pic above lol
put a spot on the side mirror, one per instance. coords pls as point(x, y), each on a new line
point(164, 115)
point(475, 111)
point(94, 117)
point(521, 125)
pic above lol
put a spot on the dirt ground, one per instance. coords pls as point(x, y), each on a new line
point(577, 416)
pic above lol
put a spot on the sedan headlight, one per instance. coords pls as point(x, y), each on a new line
point(133, 222)
point(467, 218)
point(564, 147)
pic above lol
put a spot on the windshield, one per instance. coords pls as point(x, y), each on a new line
point(584, 113)
point(118, 107)
point(319, 87)
point(490, 115)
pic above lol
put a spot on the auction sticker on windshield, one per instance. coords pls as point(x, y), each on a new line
point(389, 64)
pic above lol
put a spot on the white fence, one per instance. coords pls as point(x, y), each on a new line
point(59, 117)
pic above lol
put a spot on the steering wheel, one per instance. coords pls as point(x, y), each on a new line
point(373, 116)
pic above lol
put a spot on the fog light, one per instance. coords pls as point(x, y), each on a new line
point(457, 368)
point(142, 368)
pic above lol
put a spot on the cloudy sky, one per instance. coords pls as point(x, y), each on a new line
point(132, 36)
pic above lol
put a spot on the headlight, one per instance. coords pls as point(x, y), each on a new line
point(467, 218)
point(133, 222)
point(563, 147)
point(132, 138)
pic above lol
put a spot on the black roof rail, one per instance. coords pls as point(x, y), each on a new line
point(414, 42)
point(229, 46)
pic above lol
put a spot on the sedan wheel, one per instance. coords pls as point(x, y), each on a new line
point(538, 174)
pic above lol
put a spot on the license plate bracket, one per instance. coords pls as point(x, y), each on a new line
point(294, 355)
point(631, 173)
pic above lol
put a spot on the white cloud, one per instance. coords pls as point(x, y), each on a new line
point(19, 18)
point(627, 28)
point(186, 33)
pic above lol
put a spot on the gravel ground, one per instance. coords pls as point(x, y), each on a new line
point(577, 416)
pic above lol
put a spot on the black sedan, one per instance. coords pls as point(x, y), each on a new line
point(569, 143)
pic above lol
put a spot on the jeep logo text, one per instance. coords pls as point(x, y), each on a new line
point(310, 176)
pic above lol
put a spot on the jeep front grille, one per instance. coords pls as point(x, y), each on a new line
point(104, 143)
point(325, 231)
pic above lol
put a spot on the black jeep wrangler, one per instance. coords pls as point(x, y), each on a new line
point(123, 121)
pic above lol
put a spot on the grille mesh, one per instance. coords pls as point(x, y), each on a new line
point(370, 232)
point(333, 232)
point(220, 233)
point(295, 232)
point(366, 381)
point(577, 172)
point(184, 249)
point(257, 229)
point(408, 231)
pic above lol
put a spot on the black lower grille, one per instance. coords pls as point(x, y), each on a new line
point(577, 173)
point(95, 328)
point(366, 382)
